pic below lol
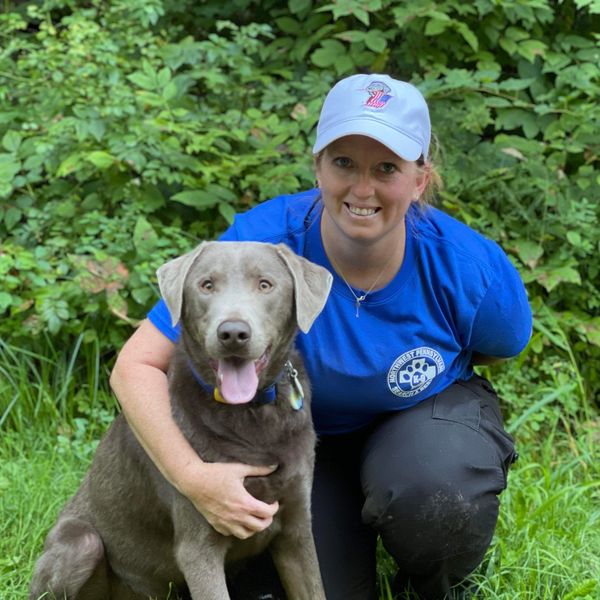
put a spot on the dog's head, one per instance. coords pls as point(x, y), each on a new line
point(239, 304)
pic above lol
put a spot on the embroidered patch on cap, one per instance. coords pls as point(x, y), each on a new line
point(379, 94)
point(414, 371)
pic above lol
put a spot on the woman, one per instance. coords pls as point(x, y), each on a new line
point(411, 443)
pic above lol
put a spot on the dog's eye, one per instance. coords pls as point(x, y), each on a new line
point(264, 285)
point(207, 285)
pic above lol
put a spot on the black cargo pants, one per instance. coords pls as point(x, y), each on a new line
point(425, 479)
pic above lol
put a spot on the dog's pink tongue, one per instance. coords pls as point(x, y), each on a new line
point(238, 380)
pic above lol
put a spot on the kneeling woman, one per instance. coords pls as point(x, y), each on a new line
point(412, 446)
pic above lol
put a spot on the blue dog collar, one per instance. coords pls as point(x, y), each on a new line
point(266, 396)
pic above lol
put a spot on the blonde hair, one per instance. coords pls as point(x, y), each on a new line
point(435, 184)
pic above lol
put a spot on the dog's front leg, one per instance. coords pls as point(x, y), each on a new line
point(294, 553)
point(200, 554)
point(296, 560)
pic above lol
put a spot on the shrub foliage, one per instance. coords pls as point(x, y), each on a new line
point(129, 129)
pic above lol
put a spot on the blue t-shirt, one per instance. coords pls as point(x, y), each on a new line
point(456, 293)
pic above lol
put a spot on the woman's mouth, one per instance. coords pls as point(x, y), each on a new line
point(361, 211)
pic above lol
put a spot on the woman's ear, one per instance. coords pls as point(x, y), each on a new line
point(423, 175)
point(317, 165)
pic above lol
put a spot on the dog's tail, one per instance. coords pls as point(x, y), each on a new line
point(73, 551)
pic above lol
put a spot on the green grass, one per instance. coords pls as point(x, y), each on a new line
point(547, 544)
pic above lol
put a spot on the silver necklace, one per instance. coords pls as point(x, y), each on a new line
point(362, 297)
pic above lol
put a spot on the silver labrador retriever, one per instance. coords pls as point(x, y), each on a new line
point(236, 389)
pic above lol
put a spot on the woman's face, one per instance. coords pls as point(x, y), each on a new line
point(366, 189)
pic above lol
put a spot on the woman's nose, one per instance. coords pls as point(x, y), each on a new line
point(363, 186)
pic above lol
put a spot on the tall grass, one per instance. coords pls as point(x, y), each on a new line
point(55, 405)
point(48, 385)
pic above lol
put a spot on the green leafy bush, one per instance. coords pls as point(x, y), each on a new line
point(131, 129)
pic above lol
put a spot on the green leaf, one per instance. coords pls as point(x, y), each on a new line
point(362, 15)
point(197, 198)
point(328, 54)
point(529, 49)
point(97, 128)
point(5, 301)
point(436, 26)
point(143, 80)
point(69, 165)
point(145, 239)
point(508, 45)
point(529, 252)
point(288, 25)
point(9, 167)
point(468, 36)
point(102, 160)
point(11, 217)
point(164, 76)
point(11, 140)
point(352, 36)
point(551, 278)
point(227, 212)
point(299, 6)
point(592, 331)
point(170, 91)
point(375, 41)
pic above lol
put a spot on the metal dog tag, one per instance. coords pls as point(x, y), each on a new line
point(296, 392)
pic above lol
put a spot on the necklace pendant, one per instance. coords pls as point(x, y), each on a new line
point(359, 299)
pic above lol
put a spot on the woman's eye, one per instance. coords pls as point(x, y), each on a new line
point(387, 168)
point(207, 285)
point(264, 285)
point(342, 161)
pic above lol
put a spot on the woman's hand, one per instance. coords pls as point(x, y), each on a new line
point(218, 493)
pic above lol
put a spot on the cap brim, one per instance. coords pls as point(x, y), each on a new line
point(399, 143)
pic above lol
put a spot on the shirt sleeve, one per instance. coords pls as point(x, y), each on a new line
point(503, 323)
point(160, 317)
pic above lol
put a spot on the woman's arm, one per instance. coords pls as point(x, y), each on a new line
point(217, 490)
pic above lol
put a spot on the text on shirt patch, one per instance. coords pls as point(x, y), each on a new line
point(414, 370)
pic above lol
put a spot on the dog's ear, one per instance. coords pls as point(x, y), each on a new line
point(311, 286)
point(171, 277)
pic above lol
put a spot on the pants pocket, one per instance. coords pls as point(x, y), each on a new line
point(492, 425)
point(458, 404)
point(475, 404)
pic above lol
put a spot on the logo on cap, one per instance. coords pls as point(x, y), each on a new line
point(379, 94)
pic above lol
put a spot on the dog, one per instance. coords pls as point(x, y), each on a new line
point(239, 394)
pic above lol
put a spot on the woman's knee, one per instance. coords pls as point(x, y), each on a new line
point(431, 520)
point(431, 486)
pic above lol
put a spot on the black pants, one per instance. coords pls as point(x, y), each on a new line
point(426, 480)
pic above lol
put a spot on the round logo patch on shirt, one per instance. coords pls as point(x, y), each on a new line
point(414, 370)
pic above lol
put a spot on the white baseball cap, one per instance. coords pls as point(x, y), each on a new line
point(390, 111)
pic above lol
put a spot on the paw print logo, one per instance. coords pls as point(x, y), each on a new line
point(414, 370)
point(416, 373)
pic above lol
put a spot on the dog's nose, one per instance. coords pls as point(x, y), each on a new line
point(234, 334)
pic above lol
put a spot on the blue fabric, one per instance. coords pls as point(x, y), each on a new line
point(456, 293)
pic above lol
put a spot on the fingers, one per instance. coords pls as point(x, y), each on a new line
point(253, 471)
point(228, 506)
point(248, 528)
point(248, 518)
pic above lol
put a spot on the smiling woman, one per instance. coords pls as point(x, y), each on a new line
point(366, 191)
point(411, 442)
